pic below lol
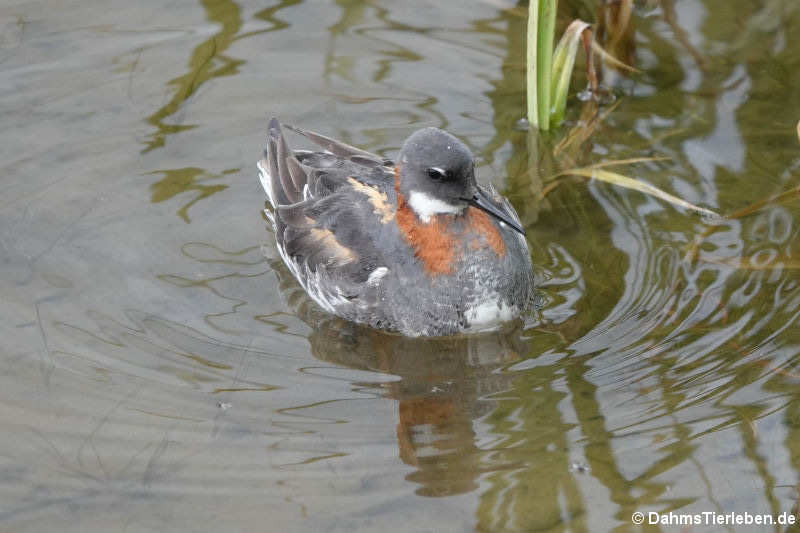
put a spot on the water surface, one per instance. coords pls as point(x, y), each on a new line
point(160, 369)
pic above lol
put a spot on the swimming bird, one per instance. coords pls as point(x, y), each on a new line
point(416, 246)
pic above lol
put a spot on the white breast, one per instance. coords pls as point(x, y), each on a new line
point(489, 314)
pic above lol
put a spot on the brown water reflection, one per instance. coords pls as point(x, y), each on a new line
point(443, 389)
point(157, 371)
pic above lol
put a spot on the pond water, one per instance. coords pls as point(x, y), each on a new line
point(161, 371)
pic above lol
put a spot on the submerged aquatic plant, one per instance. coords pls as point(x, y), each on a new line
point(614, 178)
point(548, 78)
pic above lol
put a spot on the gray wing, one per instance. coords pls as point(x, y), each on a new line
point(324, 213)
point(289, 177)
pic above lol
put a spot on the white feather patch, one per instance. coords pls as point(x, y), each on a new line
point(425, 206)
point(489, 314)
point(376, 275)
point(266, 180)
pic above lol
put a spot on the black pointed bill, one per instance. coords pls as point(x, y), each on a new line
point(482, 202)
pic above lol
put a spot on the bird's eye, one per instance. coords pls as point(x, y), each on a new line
point(438, 174)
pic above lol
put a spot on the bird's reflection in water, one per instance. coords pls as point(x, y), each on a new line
point(444, 387)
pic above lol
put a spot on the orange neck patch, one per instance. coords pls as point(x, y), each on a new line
point(435, 242)
point(480, 223)
point(432, 242)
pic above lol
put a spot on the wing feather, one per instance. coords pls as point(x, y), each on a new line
point(325, 206)
point(335, 147)
point(297, 173)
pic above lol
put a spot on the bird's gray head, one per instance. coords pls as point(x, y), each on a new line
point(437, 173)
point(437, 176)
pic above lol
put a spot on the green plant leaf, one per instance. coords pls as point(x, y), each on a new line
point(544, 57)
point(563, 64)
point(533, 31)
